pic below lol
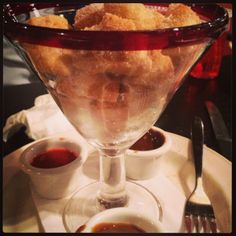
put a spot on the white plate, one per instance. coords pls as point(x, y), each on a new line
point(21, 215)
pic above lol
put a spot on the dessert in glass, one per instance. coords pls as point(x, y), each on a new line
point(112, 69)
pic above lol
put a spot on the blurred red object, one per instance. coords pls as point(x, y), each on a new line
point(209, 65)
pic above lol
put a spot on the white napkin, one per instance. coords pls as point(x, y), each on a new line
point(42, 120)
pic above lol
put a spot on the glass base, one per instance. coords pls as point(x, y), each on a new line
point(84, 204)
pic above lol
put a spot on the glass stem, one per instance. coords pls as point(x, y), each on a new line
point(112, 178)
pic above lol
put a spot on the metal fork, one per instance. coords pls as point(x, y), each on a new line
point(199, 214)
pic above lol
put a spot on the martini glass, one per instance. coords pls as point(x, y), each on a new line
point(112, 86)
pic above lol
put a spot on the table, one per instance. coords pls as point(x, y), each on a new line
point(177, 117)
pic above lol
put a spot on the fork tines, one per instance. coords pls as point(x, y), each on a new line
point(200, 218)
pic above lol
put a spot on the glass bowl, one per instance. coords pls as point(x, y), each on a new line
point(145, 66)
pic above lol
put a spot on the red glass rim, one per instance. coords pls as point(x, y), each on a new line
point(113, 40)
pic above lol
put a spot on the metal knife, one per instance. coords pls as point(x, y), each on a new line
point(220, 130)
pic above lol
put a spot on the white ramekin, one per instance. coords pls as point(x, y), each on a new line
point(142, 165)
point(124, 215)
point(59, 182)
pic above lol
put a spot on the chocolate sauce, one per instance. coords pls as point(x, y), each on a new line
point(113, 228)
point(80, 229)
point(151, 140)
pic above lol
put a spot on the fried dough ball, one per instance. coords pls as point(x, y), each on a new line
point(123, 64)
point(50, 21)
point(136, 69)
point(181, 15)
point(143, 18)
point(111, 22)
point(89, 15)
point(162, 66)
point(115, 65)
point(161, 22)
point(132, 16)
point(49, 61)
point(126, 64)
